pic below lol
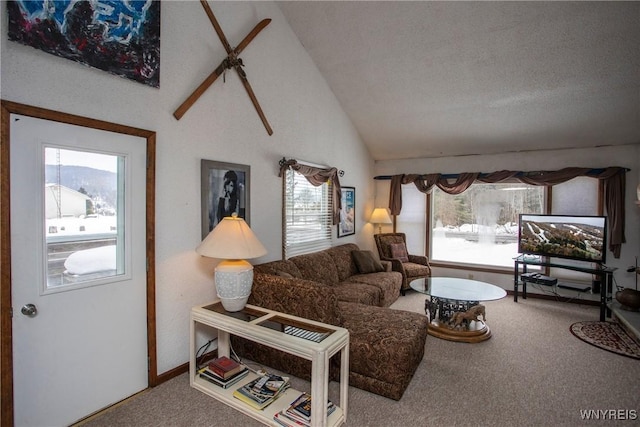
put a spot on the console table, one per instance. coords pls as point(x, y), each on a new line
point(605, 274)
point(268, 327)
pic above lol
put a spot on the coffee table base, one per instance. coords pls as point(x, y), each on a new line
point(478, 331)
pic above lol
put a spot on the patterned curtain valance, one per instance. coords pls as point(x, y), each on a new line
point(613, 179)
point(316, 177)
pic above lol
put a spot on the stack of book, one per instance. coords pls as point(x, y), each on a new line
point(223, 372)
point(299, 412)
point(262, 391)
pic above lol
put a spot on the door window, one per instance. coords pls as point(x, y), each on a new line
point(83, 218)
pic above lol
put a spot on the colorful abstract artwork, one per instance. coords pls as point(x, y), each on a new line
point(120, 37)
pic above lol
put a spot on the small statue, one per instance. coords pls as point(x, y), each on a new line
point(430, 309)
point(472, 314)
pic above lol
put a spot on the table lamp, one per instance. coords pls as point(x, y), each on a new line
point(380, 216)
point(232, 241)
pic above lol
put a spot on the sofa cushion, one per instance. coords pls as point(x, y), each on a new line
point(302, 298)
point(317, 266)
point(284, 274)
point(366, 262)
point(399, 251)
point(385, 347)
point(341, 256)
point(387, 282)
point(278, 268)
point(413, 270)
point(359, 293)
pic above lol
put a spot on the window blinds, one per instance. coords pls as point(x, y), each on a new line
point(307, 216)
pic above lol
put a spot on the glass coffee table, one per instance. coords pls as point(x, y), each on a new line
point(454, 309)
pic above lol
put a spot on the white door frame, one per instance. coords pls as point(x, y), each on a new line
point(6, 343)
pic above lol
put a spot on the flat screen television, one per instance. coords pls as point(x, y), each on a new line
point(581, 238)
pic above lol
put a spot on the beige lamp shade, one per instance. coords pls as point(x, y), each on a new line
point(232, 241)
point(380, 216)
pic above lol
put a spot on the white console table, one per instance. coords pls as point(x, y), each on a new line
point(267, 327)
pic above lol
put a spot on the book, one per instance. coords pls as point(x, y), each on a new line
point(211, 373)
point(257, 403)
point(306, 334)
point(302, 406)
point(212, 377)
point(285, 420)
point(225, 367)
point(262, 391)
point(299, 412)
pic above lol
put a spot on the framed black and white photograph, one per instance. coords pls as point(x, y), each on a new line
point(347, 225)
point(225, 191)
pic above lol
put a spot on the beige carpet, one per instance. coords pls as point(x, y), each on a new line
point(532, 372)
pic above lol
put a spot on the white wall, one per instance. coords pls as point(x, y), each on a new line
point(308, 124)
point(625, 156)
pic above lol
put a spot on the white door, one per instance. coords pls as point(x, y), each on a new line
point(78, 270)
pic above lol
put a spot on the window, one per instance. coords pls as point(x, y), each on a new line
point(480, 226)
point(307, 215)
point(83, 193)
point(578, 196)
point(413, 219)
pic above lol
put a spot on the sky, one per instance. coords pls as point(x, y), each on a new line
point(100, 161)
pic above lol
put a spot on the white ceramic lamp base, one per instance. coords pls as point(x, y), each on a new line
point(234, 279)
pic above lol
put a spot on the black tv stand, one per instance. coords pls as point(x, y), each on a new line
point(605, 275)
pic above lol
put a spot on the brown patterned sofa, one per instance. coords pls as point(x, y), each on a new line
point(337, 268)
point(386, 345)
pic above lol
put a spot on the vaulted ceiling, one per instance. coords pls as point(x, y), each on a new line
point(431, 79)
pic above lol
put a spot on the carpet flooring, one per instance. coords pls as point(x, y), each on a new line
point(532, 372)
point(608, 336)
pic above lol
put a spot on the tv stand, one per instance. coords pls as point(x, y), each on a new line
point(604, 274)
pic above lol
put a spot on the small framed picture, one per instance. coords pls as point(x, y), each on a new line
point(347, 225)
point(225, 191)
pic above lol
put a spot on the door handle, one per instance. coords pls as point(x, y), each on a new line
point(29, 310)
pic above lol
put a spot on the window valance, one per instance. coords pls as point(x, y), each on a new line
point(316, 177)
point(613, 179)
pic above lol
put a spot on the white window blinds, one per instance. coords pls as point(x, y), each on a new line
point(307, 215)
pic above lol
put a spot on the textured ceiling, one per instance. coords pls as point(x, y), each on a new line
point(431, 79)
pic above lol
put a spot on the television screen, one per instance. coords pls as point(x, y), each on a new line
point(581, 238)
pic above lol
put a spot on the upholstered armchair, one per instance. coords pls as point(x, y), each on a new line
point(393, 247)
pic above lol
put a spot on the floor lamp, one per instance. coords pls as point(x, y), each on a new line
point(380, 216)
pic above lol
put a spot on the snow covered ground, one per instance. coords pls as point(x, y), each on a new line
point(464, 251)
point(483, 251)
point(76, 226)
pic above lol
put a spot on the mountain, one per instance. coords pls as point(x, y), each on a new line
point(97, 184)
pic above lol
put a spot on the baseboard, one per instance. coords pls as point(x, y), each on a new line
point(179, 370)
point(570, 300)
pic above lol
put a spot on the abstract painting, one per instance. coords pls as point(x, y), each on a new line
point(120, 37)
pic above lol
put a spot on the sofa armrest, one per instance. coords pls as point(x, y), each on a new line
point(298, 297)
point(387, 265)
point(396, 265)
